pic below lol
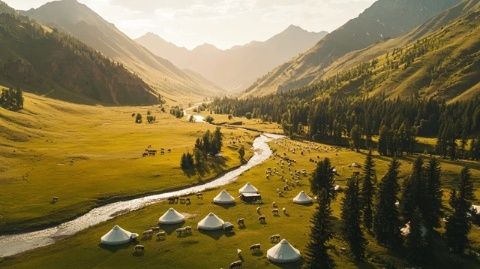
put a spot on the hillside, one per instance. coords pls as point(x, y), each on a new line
point(383, 20)
point(81, 22)
point(42, 60)
point(236, 68)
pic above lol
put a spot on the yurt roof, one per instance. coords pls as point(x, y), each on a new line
point(248, 188)
point(116, 236)
point(224, 197)
point(171, 217)
point(302, 197)
point(210, 222)
point(283, 252)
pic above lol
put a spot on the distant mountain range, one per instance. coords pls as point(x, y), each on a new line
point(439, 59)
point(42, 60)
point(385, 19)
point(81, 22)
point(236, 68)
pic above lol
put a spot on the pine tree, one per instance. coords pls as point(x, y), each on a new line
point(386, 223)
point(316, 256)
point(217, 141)
point(384, 140)
point(355, 137)
point(368, 190)
point(351, 219)
point(459, 224)
point(323, 180)
point(416, 243)
point(413, 191)
point(241, 154)
point(433, 194)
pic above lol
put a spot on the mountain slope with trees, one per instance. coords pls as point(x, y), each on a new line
point(42, 60)
point(83, 23)
point(383, 20)
point(238, 67)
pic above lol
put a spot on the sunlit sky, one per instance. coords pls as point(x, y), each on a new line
point(223, 23)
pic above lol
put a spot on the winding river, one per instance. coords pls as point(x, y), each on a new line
point(18, 243)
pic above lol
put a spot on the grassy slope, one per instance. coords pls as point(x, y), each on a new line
point(85, 154)
point(83, 250)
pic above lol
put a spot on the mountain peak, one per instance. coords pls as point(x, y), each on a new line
point(205, 47)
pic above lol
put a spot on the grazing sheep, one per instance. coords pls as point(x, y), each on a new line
point(182, 200)
point(241, 223)
point(147, 234)
point(284, 210)
point(187, 201)
point(255, 248)
point(161, 235)
point(262, 219)
point(180, 232)
point(139, 249)
point(236, 264)
point(188, 230)
point(54, 199)
point(274, 204)
point(258, 211)
point(155, 229)
point(171, 200)
point(199, 195)
point(275, 238)
point(275, 212)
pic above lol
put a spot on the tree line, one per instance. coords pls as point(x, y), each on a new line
point(401, 218)
point(206, 147)
point(11, 99)
point(340, 119)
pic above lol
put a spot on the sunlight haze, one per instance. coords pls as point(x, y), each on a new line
point(223, 23)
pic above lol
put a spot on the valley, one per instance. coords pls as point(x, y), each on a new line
point(353, 144)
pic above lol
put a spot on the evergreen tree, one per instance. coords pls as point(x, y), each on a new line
point(416, 243)
point(323, 180)
point(368, 190)
point(433, 194)
point(351, 219)
point(386, 223)
point(241, 153)
point(217, 141)
point(355, 137)
point(384, 141)
point(459, 224)
point(316, 256)
point(413, 191)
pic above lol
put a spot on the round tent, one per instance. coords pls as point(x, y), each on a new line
point(116, 236)
point(224, 198)
point(302, 198)
point(210, 222)
point(171, 217)
point(283, 252)
point(248, 188)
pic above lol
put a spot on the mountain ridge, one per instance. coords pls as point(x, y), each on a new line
point(239, 66)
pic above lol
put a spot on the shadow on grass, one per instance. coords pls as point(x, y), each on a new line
point(225, 206)
point(114, 249)
point(170, 228)
point(293, 265)
point(213, 234)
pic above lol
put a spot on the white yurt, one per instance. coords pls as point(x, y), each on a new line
point(116, 236)
point(248, 188)
point(302, 198)
point(283, 252)
point(171, 217)
point(210, 222)
point(224, 198)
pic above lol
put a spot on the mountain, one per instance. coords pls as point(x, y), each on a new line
point(441, 64)
point(41, 60)
point(81, 22)
point(238, 67)
point(383, 20)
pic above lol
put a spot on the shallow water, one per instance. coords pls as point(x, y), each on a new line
point(18, 243)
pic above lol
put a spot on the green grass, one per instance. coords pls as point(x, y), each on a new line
point(216, 250)
point(90, 155)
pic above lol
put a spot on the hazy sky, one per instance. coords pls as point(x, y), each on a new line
point(223, 23)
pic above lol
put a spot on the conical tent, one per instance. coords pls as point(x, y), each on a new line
point(283, 252)
point(116, 236)
point(210, 222)
point(248, 188)
point(224, 198)
point(171, 217)
point(302, 198)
